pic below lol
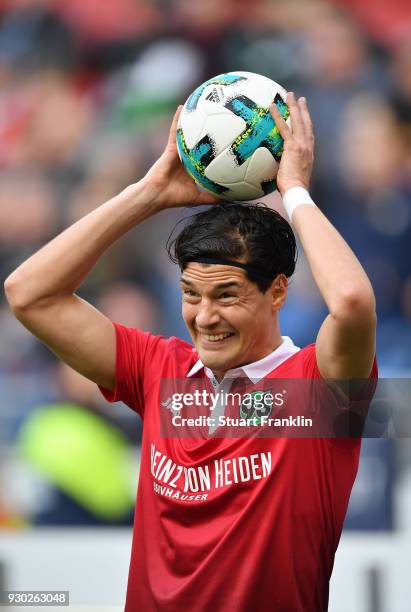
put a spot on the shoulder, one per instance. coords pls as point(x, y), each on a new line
point(302, 364)
point(153, 349)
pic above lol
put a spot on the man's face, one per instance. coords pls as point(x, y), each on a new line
point(231, 322)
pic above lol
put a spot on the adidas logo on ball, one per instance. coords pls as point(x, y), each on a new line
point(213, 96)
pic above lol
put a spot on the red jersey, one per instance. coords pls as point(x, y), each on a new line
point(229, 524)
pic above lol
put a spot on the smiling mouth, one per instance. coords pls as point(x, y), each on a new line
point(217, 337)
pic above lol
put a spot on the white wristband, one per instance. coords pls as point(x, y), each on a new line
point(295, 197)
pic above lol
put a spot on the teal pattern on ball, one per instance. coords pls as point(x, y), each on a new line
point(260, 130)
point(196, 160)
point(221, 79)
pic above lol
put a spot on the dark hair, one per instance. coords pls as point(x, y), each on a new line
point(252, 233)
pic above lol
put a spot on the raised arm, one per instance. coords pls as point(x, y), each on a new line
point(41, 291)
point(345, 344)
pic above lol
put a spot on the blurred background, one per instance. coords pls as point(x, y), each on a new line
point(87, 91)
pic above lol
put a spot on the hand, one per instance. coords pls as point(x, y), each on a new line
point(298, 155)
point(171, 184)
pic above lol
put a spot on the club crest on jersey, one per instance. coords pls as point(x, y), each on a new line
point(256, 405)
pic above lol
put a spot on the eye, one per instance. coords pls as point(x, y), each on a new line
point(190, 295)
point(227, 296)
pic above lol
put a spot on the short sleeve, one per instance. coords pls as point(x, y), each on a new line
point(341, 415)
point(134, 349)
point(310, 367)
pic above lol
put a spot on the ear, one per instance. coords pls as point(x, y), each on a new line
point(278, 291)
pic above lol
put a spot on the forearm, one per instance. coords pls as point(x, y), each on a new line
point(337, 272)
point(61, 266)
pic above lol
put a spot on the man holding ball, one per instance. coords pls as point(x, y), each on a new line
point(266, 541)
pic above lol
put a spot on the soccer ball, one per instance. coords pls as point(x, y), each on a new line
point(226, 138)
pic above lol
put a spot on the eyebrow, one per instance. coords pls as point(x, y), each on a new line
point(226, 285)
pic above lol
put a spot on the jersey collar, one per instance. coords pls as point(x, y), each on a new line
point(257, 370)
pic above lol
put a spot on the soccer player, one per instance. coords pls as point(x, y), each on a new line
point(221, 523)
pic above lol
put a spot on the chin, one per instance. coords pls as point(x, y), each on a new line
point(219, 364)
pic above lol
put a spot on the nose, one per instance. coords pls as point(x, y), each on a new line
point(207, 314)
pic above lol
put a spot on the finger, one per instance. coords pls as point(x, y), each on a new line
point(295, 114)
point(306, 118)
point(173, 128)
point(280, 122)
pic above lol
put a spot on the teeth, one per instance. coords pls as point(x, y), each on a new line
point(214, 338)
